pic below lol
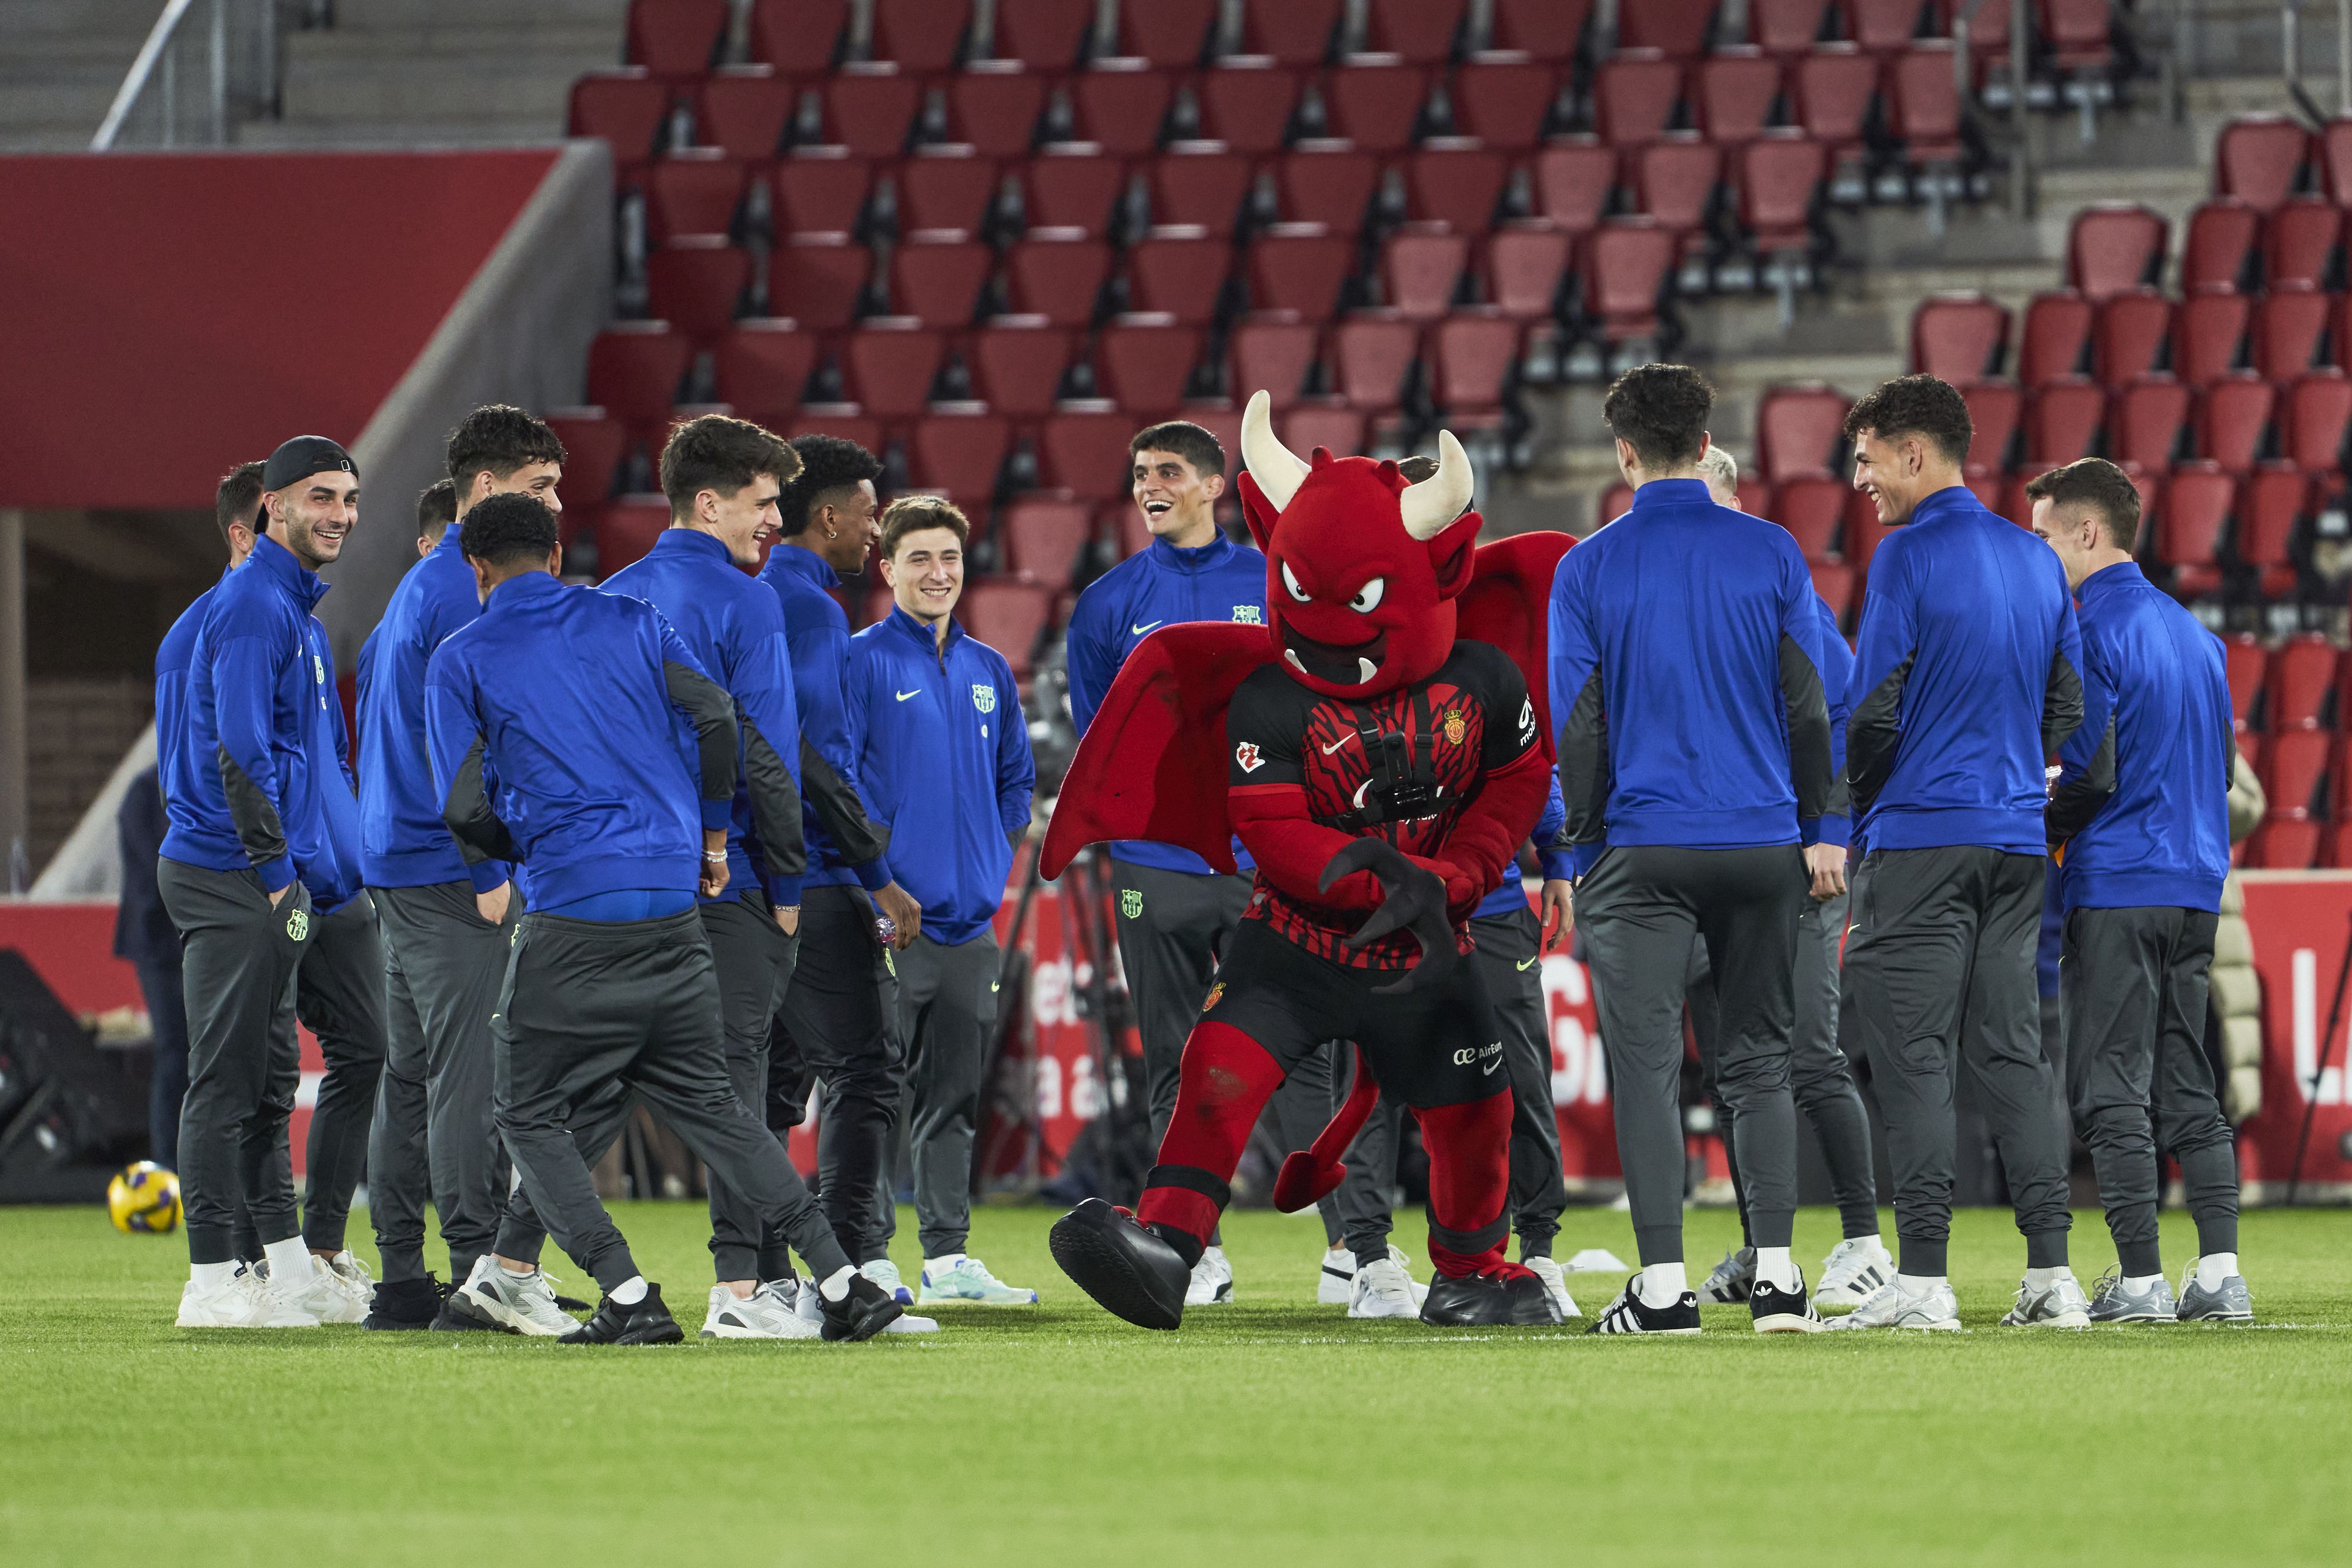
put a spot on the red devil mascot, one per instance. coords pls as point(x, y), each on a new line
point(1382, 749)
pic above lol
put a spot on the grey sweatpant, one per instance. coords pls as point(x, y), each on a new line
point(946, 1006)
point(339, 995)
point(238, 957)
point(1638, 909)
point(592, 1008)
point(753, 960)
point(2135, 984)
point(1940, 964)
point(834, 1027)
point(443, 966)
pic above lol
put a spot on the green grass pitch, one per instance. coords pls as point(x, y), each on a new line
point(1270, 1431)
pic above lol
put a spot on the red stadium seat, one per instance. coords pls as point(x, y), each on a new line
point(1831, 90)
point(2312, 417)
point(1732, 93)
point(1614, 503)
point(2286, 329)
point(2334, 157)
point(1573, 179)
point(2271, 505)
point(2300, 239)
point(1009, 617)
point(1675, 178)
point(819, 191)
point(1374, 102)
point(1833, 581)
point(2259, 160)
point(2301, 679)
point(1754, 495)
point(945, 189)
point(1017, 370)
point(870, 108)
point(1780, 173)
point(1523, 266)
point(2284, 843)
point(819, 280)
point(1246, 103)
point(1372, 353)
point(629, 108)
point(1329, 184)
point(1800, 430)
point(1299, 268)
point(1086, 454)
point(1294, 32)
point(1958, 337)
point(1072, 189)
point(960, 454)
point(2130, 336)
point(1989, 488)
point(2209, 326)
point(693, 190)
point(2231, 415)
point(1119, 104)
point(593, 445)
point(1170, 34)
point(1995, 409)
point(1201, 185)
point(2145, 421)
point(1503, 102)
point(921, 36)
point(1622, 266)
point(1472, 356)
point(743, 111)
point(994, 107)
point(678, 40)
point(1811, 507)
point(840, 419)
point(1144, 363)
point(626, 529)
point(2115, 247)
point(1328, 423)
point(1923, 103)
point(1548, 29)
point(1880, 26)
point(1043, 35)
point(1179, 271)
point(2057, 330)
point(1059, 281)
point(799, 37)
point(1422, 31)
point(762, 367)
point(2244, 662)
point(635, 368)
point(1043, 536)
point(939, 281)
point(2075, 32)
point(2063, 419)
point(1786, 27)
point(695, 283)
point(887, 368)
point(2221, 239)
point(1420, 270)
point(1678, 28)
point(2197, 501)
point(1455, 185)
point(1863, 532)
point(1633, 96)
point(2294, 766)
point(1271, 354)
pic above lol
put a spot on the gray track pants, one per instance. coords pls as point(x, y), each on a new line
point(339, 995)
point(1938, 964)
point(1638, 909)
point(946, 1006)
point(834, 1027)
point(2134, 988)
point(754, 959)
point(443, 966)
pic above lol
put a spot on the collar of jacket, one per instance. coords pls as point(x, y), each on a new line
point(1192, 561)
point(2107, 579)
point(1673, 493)
point(694, 542)
point(515, 589)
point(906, 625)
point(290, 574)
point(1949, 502)
point(791, 557)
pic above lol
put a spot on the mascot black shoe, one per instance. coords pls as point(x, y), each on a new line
point(1507, 1295)
point(1129, 1271)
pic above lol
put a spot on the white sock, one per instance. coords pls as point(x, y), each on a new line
point(943, 1262)
point(629, 1292)
point(2142, 1282)
point(2043, 1278)
point(289, 1262)
point(1919, 1284)
point(211, 1276)
point(2215, 1267)
point(1773, 1267)
point(1874, 1244)
point(834, 1286)
point(514, 1273)
point(1662, 1284)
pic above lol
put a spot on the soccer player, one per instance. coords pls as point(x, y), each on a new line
point(945, 760)
point(555, 725)
point(1968, 676)
point(258, 812)
point(447, 925)
point(832, 1016)
point(1694, 762)
point(1819, 1074)
point(2143, 867)
point(437, 509)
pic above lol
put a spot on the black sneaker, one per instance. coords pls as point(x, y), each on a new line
point(645, 1323)
point(1777, 1311)
point(1626, 1314)
point(404, 1303)
point(861, 1313)
point(1129, 1271)
point(1516, 1298)
point(458, 1315)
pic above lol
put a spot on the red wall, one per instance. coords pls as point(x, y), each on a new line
point(164, 316)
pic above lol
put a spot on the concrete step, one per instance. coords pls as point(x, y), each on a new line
point(529, 130)
point(384, 17)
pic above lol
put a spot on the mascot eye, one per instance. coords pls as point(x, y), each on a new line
point(1291, 583)
point(1368, 598)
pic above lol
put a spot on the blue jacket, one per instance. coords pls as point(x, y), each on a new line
point(946, 759)
point(1159, 587)
point(1837, 674)
point(261, 703)
point(1510, 896)
point(178, 758)
point(735, 630)
point(1687, 681)
point(837, 815)
point(554, 724)
point(403, 840)
point(2157, 705)
point(1965, 680)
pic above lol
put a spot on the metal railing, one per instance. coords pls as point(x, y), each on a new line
point(206, 65)
point(2291, 58)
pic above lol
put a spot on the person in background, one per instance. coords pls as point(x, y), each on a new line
point(437, 509)
point(144, 939)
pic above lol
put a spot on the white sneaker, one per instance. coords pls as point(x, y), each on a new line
point(1935, 1309)
point(1854, 1269)
point(1212, 1281)
point(238, 1303)
point(885, 1273)
point(358, 1286)
point(805, 1305)
point(1555, 1284)
point(767, 1314)
point(967, 1279)
point(1382, 1289)
point(907, 1322)
point(323, 1295)
point(1331, 1286)
point(523, 1304)
point(2060, 1304)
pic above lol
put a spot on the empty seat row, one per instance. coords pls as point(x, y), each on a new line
point(2235, 420)
point(1838, 92)
point(2214, 333)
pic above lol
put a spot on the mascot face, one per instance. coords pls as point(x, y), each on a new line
point(1361, 566)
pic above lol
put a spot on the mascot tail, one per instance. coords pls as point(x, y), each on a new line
point(1312, 1174)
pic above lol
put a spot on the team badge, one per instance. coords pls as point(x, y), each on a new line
point(983, 697)
point(297, 925)
point(1248, 757)
point(1455, 727)
point(1130, 903)
point(1216, 994)
point(1248, 615)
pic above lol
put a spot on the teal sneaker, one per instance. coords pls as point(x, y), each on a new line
point(965, 1278)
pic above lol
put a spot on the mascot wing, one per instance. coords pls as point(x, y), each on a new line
point(1152, 764)
point(1508, 604)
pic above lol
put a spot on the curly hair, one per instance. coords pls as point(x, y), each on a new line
point(1659, 411)
point(1915, 405)
point(828, 463)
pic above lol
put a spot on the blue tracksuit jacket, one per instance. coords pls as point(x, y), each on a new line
point(2157, 703)
point(1687, 681)
point(837, 815)
point(735, 630)
point(262, 709)
point(1965, 680)
point(1837, 674)
point(1159, 587)
point(555, 725)
point(403, 840)
point(1510, 896)
point(177, 757)
point(946, 757)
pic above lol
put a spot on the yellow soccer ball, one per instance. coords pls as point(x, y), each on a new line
point(144, 1199)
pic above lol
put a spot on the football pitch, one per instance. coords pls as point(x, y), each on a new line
point(1270, 1431)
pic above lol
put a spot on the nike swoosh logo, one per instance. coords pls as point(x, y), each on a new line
point(1338, 744)
point(994, 984)
point(916, 692)
point(1488, 1072)
point(1146, 626)
point(1526, 964)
